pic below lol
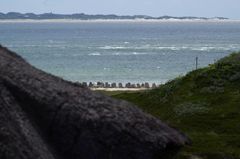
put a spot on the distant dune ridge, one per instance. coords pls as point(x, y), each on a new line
point(82, 16)
point(46, 117)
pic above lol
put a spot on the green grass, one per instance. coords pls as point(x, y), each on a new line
point(204, 104)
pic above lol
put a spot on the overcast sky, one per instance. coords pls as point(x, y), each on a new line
point(205, 8)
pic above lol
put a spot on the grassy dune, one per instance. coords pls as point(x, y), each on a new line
point(205, 104)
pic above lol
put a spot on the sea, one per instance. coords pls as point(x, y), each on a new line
point(121, 51)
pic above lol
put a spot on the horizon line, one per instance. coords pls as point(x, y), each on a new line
point(149, 16)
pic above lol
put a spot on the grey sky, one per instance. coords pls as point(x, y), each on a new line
point(206, 8)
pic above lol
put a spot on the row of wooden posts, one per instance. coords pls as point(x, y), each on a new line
point(121, 85)
point(117, 85)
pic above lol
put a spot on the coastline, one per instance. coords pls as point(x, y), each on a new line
point(111, 20)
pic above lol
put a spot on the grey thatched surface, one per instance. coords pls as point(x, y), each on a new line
point(46, 117)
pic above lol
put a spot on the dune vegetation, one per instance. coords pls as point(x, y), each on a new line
point(204, 104)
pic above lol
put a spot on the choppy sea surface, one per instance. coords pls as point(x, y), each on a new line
point(121, 51)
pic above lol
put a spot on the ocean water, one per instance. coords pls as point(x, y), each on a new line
point(121, 51)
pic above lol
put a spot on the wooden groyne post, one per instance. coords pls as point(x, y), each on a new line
point(196, 63)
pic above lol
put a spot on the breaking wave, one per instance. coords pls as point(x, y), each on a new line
point(172, 48)
point(94, 54)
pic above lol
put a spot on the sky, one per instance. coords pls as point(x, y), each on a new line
point(199, 8)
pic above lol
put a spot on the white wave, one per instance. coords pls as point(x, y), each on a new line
point(148, 47)
point(112, 47)
point(126, 48)
point(116, 53)
point(173, 48)
point(136, 50)
point(204, 48)
point(197, 48)
point(145, 47)
point(129, 53)
point(94, 54)
point(106, 68)
point(28, 45)
point(138, 53)
point(210, 48)
point(56, 42)
point(50, 41)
